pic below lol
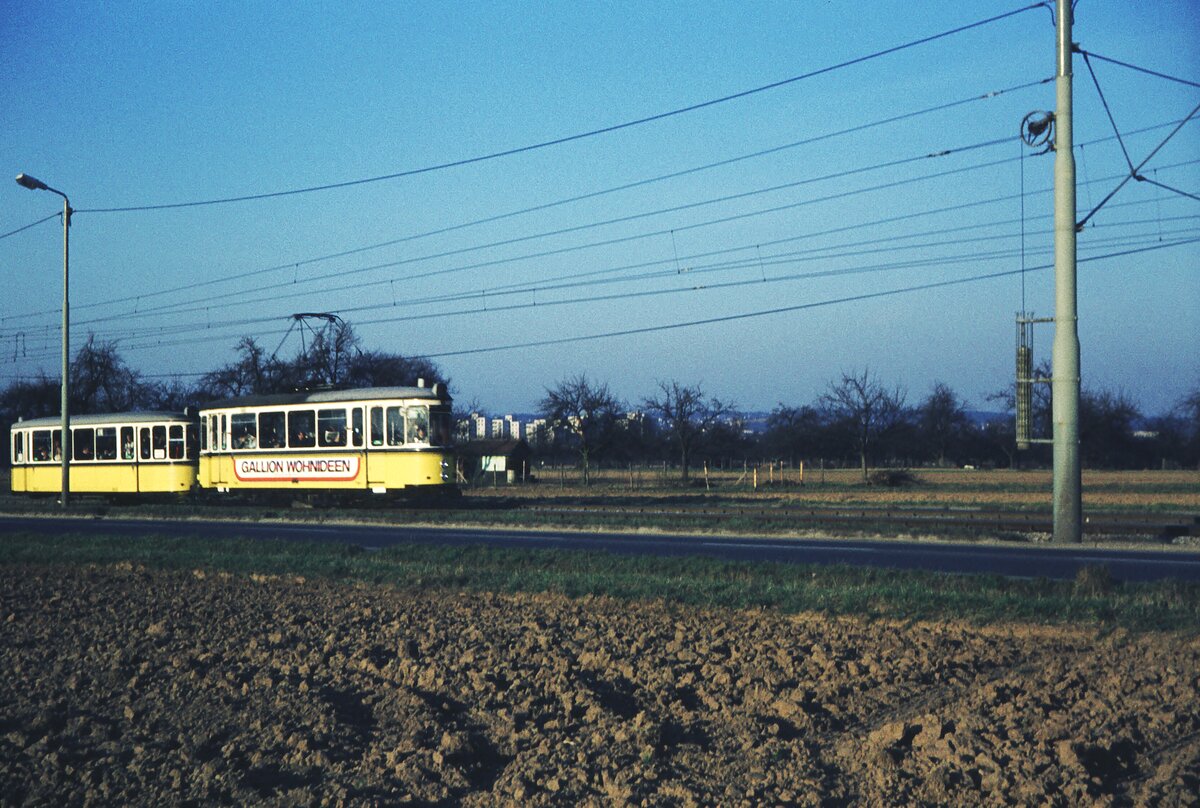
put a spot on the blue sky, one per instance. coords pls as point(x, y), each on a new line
point(127, 105)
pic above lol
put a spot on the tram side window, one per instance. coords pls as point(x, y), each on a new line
point(302, 429)
point(271, 430)
point(377, 426)
point(204, 433)
point(106, 443)
point(175, 442)
point(159, 434)
point(144, 443)
point(41, 445)
point(418, 425)
point(213, 440)
point(439, 424)
point(83, 443)
point(356, 431)
point(395, 426)
point(331, 426)
point(245, 430)
point(192, 448)
point(19, 447)
point(127, 443)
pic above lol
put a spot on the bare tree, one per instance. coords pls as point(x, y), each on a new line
point(687, 416)
point(866, 407)
point(942, 420)
point(102, 382)
point(586, 411)
point(252, 372)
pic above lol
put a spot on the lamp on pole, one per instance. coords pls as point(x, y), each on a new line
point(34, 184)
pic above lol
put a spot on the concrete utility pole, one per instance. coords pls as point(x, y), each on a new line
point(1068, 509)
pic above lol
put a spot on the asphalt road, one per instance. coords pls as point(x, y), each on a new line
point(1011, 560)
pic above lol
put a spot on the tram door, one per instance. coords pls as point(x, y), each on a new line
point(373, 456)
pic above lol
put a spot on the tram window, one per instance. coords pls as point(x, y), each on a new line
point(271, 430)
point(175, 442)
point(56, 439)
point(144, 443)
point(192, 452)
point(301, 429)
point(331, 426)
point(106, 443)
point(439, 424)
point(84, 444)
point(356, 431)
point(418, 425)
point(159, 436)
point(213, 441)
point(204, 433)
point(377, 426)
point(19, 447)
point(224, 433)
point(244, 426)
point(127, 443)
point(395, 426)
point(41, 445)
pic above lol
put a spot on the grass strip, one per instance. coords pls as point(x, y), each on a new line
point(1092, 599)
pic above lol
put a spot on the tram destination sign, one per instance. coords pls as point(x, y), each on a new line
point(316, 469)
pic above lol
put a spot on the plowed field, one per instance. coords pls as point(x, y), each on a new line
point(126, 686)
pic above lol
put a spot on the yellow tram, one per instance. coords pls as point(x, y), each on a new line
point(117, 453)
point(378, 439)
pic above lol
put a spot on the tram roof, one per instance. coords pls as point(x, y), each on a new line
point(435, 393)
point(105, 418)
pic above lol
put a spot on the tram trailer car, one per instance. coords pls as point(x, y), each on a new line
point(134, 453)
point(382, 440)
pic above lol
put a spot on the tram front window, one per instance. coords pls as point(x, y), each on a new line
point(176, 442)
point(418, 425)
point(439, 425)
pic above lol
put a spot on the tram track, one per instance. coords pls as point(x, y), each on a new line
point(1160, 525)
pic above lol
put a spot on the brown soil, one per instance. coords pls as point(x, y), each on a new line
point(125, 686)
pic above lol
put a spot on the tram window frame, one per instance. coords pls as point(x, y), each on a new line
point(106, 443)
point(356, 427)
point(83, 444)
point(158, 437)
point(40, 446)
point(128, 445)
point(331, 427)
point(395, 425)
point(377, 426)
point(175, 443)
point(243, 429)
point(272, 429)
point(301, 431)
point(19, 447)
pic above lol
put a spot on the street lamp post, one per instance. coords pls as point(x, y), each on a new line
point(34, 184)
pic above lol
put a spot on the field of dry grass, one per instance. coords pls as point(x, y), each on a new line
point(1003, 488)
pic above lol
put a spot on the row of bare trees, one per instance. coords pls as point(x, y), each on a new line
point(857, 420)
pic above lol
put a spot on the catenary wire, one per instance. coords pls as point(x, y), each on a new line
point(582, 135)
